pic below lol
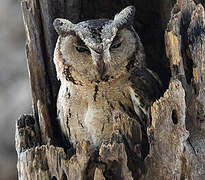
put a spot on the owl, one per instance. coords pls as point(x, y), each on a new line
point(101, 66)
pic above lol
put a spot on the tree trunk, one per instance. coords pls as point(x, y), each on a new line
point(173, 35)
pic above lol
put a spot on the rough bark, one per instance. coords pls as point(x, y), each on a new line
point(177, 132)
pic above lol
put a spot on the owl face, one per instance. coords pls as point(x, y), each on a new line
point(98, 50)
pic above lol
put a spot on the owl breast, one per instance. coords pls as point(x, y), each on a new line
point(86, 112)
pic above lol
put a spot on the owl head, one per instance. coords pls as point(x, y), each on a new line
point(97, 50)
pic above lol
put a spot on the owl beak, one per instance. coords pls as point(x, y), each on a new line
point(101, 69)
point(99, 62)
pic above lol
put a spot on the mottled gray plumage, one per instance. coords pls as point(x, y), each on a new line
point(101, 66)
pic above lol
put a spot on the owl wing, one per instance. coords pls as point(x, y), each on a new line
point(145, 88)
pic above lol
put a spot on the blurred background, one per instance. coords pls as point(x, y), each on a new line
point(15, 96)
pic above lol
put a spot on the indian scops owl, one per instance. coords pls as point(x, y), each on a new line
point(101, 66)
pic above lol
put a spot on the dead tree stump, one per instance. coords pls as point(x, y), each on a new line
point(174, 49)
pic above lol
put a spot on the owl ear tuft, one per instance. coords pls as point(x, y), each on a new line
point(63, 26)
point(125, 17)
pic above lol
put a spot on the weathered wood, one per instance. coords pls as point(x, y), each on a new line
point(47, 161)
point(168, 135)
point(37, 72)
point(49, 11)
point(174, 152)
point(185, 47)
point(177, 131)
